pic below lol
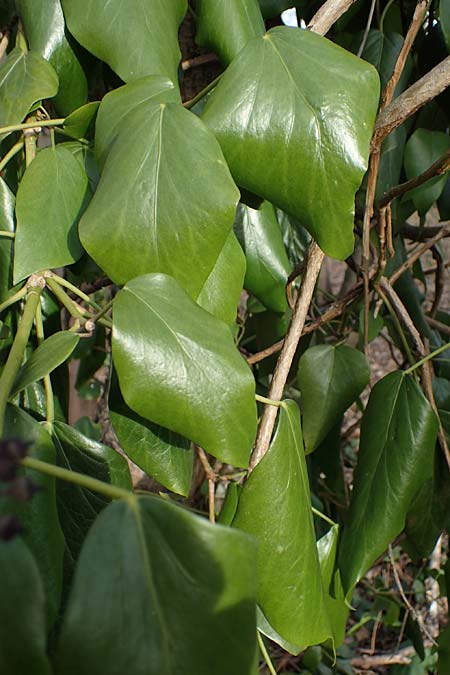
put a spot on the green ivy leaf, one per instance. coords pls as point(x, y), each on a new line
point(222, 289)
point(395, 459)
point(162, 454)
point(165, 202)
point(24, 80)
point(275, 507)
point(178, 367)
point(44, 25)
point(422, 149)
point(382, 50)
point(49, 355)
point(22, 612)
point(123, 102)
point(182, 589)
point(327, 547)
point(80, 122)
point(444, 16)
point(225, 26)
point(77, 506)
point(302, 110)
point(39, 517)
point(268, 266)
point(134, 39)
point(271, 8)
point(7, 201)
point(330, 379)
point(49, 203)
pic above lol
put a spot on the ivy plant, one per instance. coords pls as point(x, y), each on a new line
point(160, 255)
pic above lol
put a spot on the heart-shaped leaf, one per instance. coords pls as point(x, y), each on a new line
point(395, 459)
point(225, 26)
point(48, 356)
point(22, 612)
point(46, 34)
point(422, 149)
point(222, 289)
point(330, 379)
point(134, 39)
point(165, 202)
point(302, 110)
point(162, 454)
point(178, 367)
point(24, 79)
point(39, 517)
point(7, 201)
point(49, 204)
point(123, 101)
point(175, 595)
point(268, 266)
point(275, 507)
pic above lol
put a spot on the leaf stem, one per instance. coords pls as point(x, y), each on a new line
point(426, 358)
point(383, 16)
point(10, 154)
point(323, 516)
point(7, 235)
point(64, 299)
point(397, 324)
point(17, 350)
point(265, 654)
point(268, 401)
point(32, 125)
point(63, 282)
point(49, 400)
point(110, 491)
point(190, 104)
point(13, 299)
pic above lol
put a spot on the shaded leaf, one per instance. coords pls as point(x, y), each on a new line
point(338, 611)
point(122, 102)
point(275, 507)
point(77, 506)
point(330, 379)
point(268, 266)
point(303, 110)
point(7, 201)
point(422, 149)
point(178, 367)
point(48, 206)
point(24, 80)
point(45, 30)
point(165, 202)
point(39, 517)
point(162, 454)
point(382, 50)
point(134, 39)
point(444, 16)
point(79, 123)
point(189, 590)
point(444, 650)
point(49, 355)
point(222, 289)
point(230, 504)
point(225, 26)
point(22, 612)
point(398, 434)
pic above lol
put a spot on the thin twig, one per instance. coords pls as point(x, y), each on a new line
point(444, 232)
point(367, 30)
point(211, 477)
point(201, 60)
point(441, 327)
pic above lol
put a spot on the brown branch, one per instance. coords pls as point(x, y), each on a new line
point(402, 657)
point(443, 232)
point(440, 166)
point(421, 92)
point(201, 60)
point(211, 477)
point(416, 233)
point(438, 325)
point(328, 14)
point(313, 264)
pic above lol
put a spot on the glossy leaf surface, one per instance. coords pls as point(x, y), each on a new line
point(330, 379)
point(178, 367)
point(165, 202)
point(7, 201)
point(22, 612)
point(24, 79)
point(39, 517)
point(275, 507)
point(77, 506)
point(225, 26)
point(222, 289)
point(48, 206)
point(44, 25)
point(134, 39)
point(303, 110)
point(48, 356)
point(268, 266)
point(176, 594)
point(162, 454)
point(395, 458)
point(422, 149)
